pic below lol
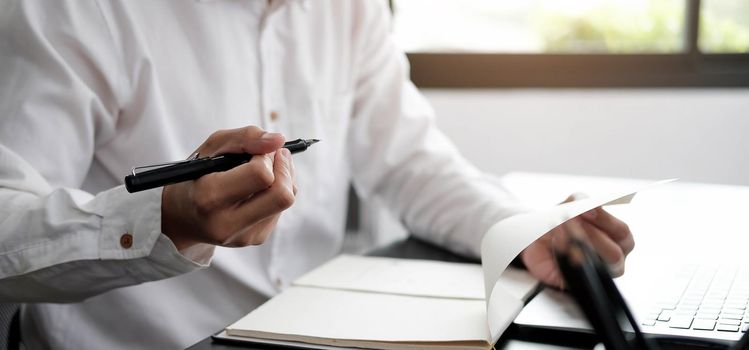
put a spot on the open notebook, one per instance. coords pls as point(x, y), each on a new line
point(386, 303)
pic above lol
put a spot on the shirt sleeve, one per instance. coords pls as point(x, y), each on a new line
point(399, 154)
point(61, 88)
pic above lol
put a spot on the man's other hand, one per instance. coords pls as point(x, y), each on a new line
point(609, 236)
point(237, 207)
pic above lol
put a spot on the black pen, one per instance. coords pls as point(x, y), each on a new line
point(192, 169)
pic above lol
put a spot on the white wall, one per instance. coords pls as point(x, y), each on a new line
point(696, 135)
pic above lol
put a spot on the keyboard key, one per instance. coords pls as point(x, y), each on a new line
point(696, 298)
point(729, 310)
point(731, 316)
point(744, 327)
point(707, 315)
point(703, 325)
point(711, 304)
point(668, 305)
point(683, 307)
point(680, 322)
point(726, 310)
point(664, 316)
point(648, 322)
point(728, 328)
point(689, 313)
point(689, 302)
point(729, 321)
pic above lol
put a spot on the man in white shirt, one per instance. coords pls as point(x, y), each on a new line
point(90, 88)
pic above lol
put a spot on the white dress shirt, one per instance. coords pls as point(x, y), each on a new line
point(89, 89)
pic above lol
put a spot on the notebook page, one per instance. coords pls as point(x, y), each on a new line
point(413, 277)
point(339, 314)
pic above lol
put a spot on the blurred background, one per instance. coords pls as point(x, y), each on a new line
point(622, 88)
point(576, 26)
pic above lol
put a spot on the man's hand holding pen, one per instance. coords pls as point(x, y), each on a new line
point(236, 207)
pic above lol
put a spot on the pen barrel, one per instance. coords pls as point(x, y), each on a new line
point(185, 171)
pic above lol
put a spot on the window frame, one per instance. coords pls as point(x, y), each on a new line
point(690, 68)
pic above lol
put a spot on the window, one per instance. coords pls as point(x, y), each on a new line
point(724, 26)
point(484, 43)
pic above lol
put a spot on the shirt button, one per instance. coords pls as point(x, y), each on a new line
point(274, 116)
point(279, 282)
point(126, 241)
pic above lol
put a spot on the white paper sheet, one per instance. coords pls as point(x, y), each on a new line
point(426, 278)
point(399, 276)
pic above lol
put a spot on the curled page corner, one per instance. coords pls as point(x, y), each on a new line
point(509, 237)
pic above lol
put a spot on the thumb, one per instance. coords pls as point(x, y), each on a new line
point(250, 139)
point(267, 142)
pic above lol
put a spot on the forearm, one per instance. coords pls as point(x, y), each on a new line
point(444, 199)
point(61, 245)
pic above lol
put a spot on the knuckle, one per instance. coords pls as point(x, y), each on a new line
point(215, 135)
point(206, 200)
point(249, 134)
point(625, 227)
point(265, 176)
point(253, 131)
point(211, 143)
point(284, 198)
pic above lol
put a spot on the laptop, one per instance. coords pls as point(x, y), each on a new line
point(689, 301)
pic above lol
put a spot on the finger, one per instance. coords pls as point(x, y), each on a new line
point(225, 188)
point(609, 250)
point(553, 276)
point(627, 244)
point(616, 229)
point(292, 170)
point(249, 139)
point(277, 198)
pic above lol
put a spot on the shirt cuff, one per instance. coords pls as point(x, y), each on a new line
point(131, 229)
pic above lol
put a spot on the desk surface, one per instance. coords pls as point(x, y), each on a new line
point(678, 221)
point(416, 249)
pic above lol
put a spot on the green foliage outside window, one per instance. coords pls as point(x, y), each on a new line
point(657, 28)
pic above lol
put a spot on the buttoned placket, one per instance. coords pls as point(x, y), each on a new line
point(270, 107)
point(270, 102)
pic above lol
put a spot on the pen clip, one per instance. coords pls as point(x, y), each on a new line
point(193, 156)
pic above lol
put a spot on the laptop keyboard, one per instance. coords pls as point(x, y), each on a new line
point(703, 299)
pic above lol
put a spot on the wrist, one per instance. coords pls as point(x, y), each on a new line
point(170, 221)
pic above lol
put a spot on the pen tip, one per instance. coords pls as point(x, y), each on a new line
point(312, 141)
